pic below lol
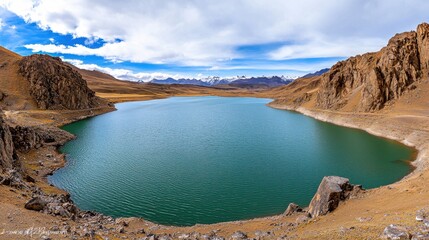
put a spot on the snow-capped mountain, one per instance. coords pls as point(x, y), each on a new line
point(239, 81)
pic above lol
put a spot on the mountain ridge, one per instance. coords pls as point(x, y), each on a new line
point(367, 82)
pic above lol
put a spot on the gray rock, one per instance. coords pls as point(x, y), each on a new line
point(421, 214)
point(292, 208)
point(331, 191)
point(36, 204)
point(302, 219)
point(364, 219)
point(239, 235)
point(396, 232)
point(420, 236)
point(164, 237)
point(184, 236)
point(260, 234)
point(216, 238)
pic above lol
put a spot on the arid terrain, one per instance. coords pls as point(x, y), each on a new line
point(385, 93)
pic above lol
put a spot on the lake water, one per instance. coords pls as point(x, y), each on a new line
point(188, 160)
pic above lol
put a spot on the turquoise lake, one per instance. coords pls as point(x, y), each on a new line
point(188, 160)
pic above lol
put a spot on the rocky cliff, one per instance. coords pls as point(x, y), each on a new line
point(8, 157)
point(26, 138)
point(370, 81)
point(55, 85)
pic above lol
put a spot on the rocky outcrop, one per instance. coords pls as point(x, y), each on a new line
point(36, 204)
point(377, 78)
point(367, 82)
point(396, 232)
point(26, 138)
point(423, 43)
point(292, 208)
point(8, 156)
point(55, 85)
point(332, 190)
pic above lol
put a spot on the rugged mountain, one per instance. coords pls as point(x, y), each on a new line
point(318, 73)
point(366, 82)
point(183, 81)
point(267, 82)
point(55, 85)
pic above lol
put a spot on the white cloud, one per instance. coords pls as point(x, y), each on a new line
point(305, 67)
point(52, 40)
point(321, 49)
point(207, 32)
point(2, 24)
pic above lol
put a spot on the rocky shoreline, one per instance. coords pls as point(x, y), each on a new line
point(89, 224)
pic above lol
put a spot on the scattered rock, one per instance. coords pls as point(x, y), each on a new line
point(421, 214)
point(364, 219)
point(164, 237)
point(184, 236)
point(396, 232)
point(120, 229)
point(238, 235)
point(36, 204)
point(420, 236)
point(302, 219)
point(332, 190)
point(261, 234)
point(292, 208)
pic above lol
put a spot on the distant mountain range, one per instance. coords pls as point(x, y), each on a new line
point(252, 82)
point(239, 81)
point(318, 73)
point(211, 81)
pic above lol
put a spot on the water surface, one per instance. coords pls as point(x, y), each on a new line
point(187, 160)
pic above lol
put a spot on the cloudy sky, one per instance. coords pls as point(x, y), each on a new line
point(144, 39)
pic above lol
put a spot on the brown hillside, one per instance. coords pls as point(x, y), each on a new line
point(14, 89)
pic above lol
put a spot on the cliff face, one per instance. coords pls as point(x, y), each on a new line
point(377, 77)
point(370, 81)
point(55, 85)
point(26, 138)
point(8, 157)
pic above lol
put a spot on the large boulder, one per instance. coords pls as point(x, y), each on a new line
point(56, 205)
point(396, 232)
point(36, 204)
point(332, 190)
point(292, 208)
